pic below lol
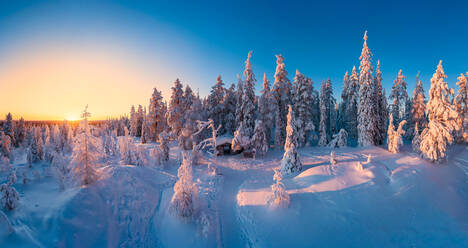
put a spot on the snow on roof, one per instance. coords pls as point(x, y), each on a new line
point(224, 139)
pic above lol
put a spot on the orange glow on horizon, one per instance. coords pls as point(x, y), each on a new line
point(54, 84)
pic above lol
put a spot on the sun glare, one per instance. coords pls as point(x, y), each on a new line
point(72, 117)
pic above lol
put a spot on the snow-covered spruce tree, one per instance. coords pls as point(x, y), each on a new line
point(5, 146)
point(280, 198)
point(35, 150)
point(239, 96)
point(418, 109)
point(164, 146)
point(215, 103)
point(399, 97)
point(259, 139)
point(184, 201)
point(342, 114)
point(339, 140)
point(416, 142)
point(175, 113)
point(140, 120)
point(20, 132)
point(9, 129)
point(230, 110)
point(86, 152)
point(352, 106)
point(156, 115)
point(266, 109)
point(281, 94)
point(248, 99)
point(188, 99)
point(461, 105)
point(367, 111)
point(315, 107)
point(302, 104)
point(394, 137)
point(381, 101)
point(133, 121)
point(291, 161)
point(10, 196)
point(327, 113)
point(442, 118)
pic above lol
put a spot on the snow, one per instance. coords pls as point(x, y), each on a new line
point(394, 200)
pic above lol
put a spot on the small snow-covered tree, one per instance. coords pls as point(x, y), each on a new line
point(175, 113)
point(86, 152)
point(442, 118)
point(302, 104)
point(394, 137)
point(281, 94)
point(291, 161)
point(241, 141)
point(259, 139)
point(111, 144)
point(164, 146)
point(339, 140)
point(280, 198)
point(333, 160)
point(416, 142)
point(133, 121)
point(461, 105)
point(184, 201)
point(127, 148)
point(367, 111)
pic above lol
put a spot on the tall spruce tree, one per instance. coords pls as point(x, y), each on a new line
point(381, 101)
point(266, 108)
point(302, 106)
point(176, 108)
point(281, 94)
point(367, 111)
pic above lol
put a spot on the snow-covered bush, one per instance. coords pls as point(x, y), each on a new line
point(279, 198)
point(241, 141)
point(184, 200)
point(5, 164)
point(339, 140)
point(141, 157)
point(10, 196)
point(333, 160)
point(394, 137)
point(127, 148)
point(291, 161)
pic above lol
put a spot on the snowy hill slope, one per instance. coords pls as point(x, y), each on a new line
point(396, 200)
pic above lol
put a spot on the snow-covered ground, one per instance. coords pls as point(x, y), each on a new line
point(396, 200)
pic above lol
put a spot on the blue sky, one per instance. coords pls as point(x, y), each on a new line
point(197, 40)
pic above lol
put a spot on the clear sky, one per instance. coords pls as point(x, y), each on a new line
point(58, 56)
